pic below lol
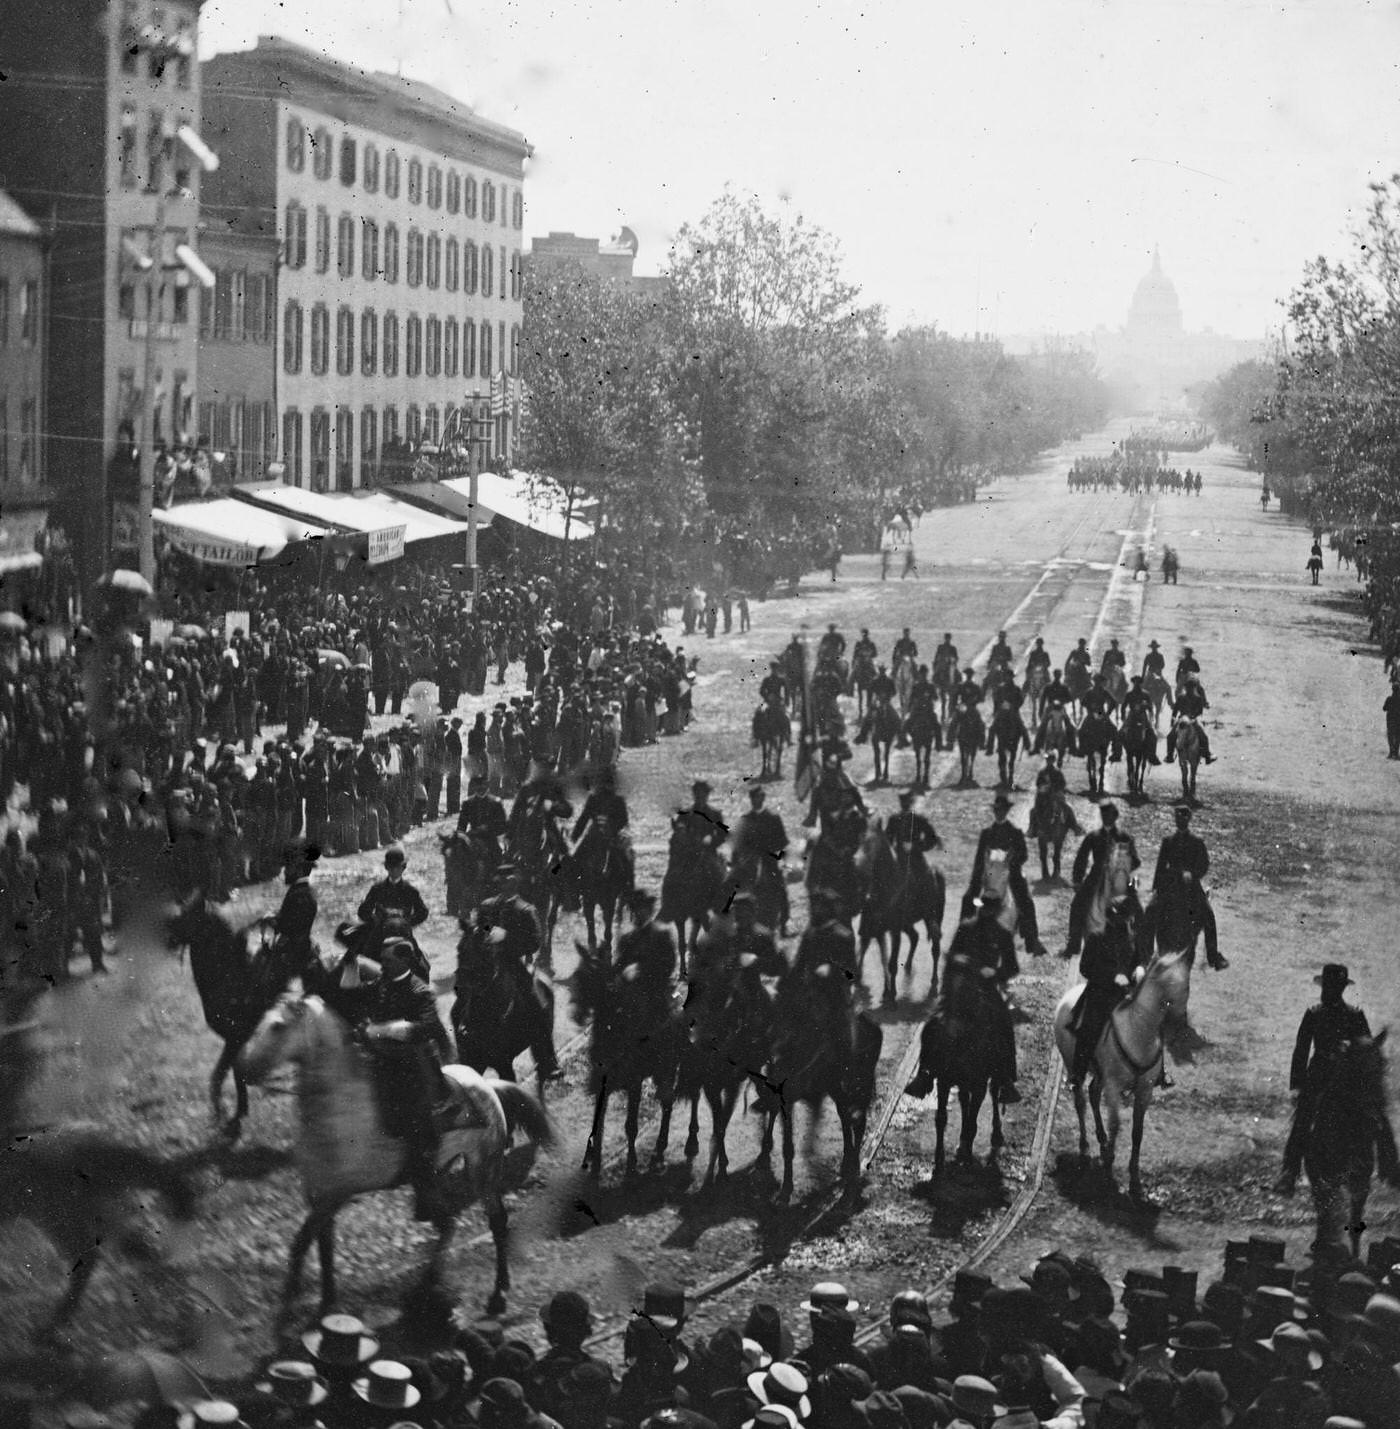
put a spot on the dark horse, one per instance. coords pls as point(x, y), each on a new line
point(547, 881)
point(772, 731)
point(493, 1020)
point(904, 892)
point(75, 1185)
point(970, 734)
point(884, 730)
point(1348, 1138)
point(832, 864)
point(1051, 821)
point(958, 1048)
point(469, 866)
point(692, 887)
point(1139, 740)
point(237, 983)
point(1006, 735)
point(637, 1038)
point(823, 1048)
point(924, 733)
point(603, 870)
point(1095, 739)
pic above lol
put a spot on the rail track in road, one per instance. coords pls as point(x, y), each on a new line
point(833, 1205)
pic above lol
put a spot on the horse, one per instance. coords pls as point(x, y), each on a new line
point(468, 866)
point(343, 1150)
point(1095, 738)
point(1051, 820)
point(905, 674)
point(1116, 682)
point(1058, 735)
point(761, 876)
point(904, 892)
point(637, 1037)
point(692, 886)
point(1128, 1058)
point(971, 734)
point(1347, 1132)
point(1156, 685)
point(923, 731)
point(1173, 919)
point(236, 982)
point(822, 1048)
point(959, 1049)
point(75, 1184)
point(1078, 681)
point(1007, 734)
point(1138, 739)
point(1188, 755)
point(832, 864)
point(603, 868)
point(546, 874)
point(862, 672)
point(492, 1023)
point(1037, 682)
point(772, 732)
point(885, 728)
point(945, 679)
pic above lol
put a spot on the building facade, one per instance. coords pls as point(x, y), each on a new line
point(23, 337)
point(96, 92)
point(399, 215)
point(613, 260)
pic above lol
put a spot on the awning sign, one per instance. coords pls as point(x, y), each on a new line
point(210, 549)
point(386, 544)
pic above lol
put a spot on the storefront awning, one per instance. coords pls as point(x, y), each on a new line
point(232, 533)
point(537, 505)
point(419, 525)
point(441, 496)
point(373, 512)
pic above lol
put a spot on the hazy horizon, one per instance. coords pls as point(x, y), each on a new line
point(1008, 170)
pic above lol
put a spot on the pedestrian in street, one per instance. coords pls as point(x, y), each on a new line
point(885, 554)
point(1392, 715)
point(911, 564)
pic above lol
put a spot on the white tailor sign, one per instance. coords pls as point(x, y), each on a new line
point(386, 544)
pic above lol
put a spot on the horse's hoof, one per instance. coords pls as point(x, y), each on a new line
point(231, 1130)
point(692, 1149)
point(496, 1303)
point(784, 1194)
point(964, 1157)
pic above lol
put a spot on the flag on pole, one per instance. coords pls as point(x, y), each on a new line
point(498, 394)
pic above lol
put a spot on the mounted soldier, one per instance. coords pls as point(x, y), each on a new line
point(1091, 863)
point(827, 940)
point(604, 802)
point(483, 816)
point(1182, 864)
point(393, 896)
point(292, 943)
point(1106, 966)
point(833, 795)
point(832, 645)
point(1154, 662)
point(756, 858)
point(905, 648)
point(1138, 702)
point(1190, 704)
point(649, 947)
point(1001, 651)
point(1002, 836)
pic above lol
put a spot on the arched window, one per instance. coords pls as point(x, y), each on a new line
point(322, 152)
point(369, 342)
point(391, 174)
point(391, 253)
point(413, 346)
point(469, 269)
point(349, 165)
point(391, 346)
point(468, 348)
point(296, 145)
point(454, 191)
point(413, 259)
point(415, 181)
point(320, 339)
point(371, 169)
point(434, 274)
point(291, 337)
point(469, 196)
point(453, 266)
point(344, 341)
point(434, 186)
point(369, 249)
point(451, 336)
point(345, 246)
point(488, 202)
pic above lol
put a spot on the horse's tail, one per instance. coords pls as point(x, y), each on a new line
point(524, 1113)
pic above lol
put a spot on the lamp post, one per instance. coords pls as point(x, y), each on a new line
point(154, 266)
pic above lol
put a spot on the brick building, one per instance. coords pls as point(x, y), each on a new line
point(399, 285)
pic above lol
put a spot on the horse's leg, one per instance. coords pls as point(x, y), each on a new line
point(912, 932)
point(1359, 1187)
point(1083, 1126)
point(785, 1190)
point(1096, 1105)
point(970, 1103)
point(629, 1126)
point(216, 1082)
point(589, 909)
point(998, 1140)
point(1142, 1095)
point(593, 1152)
point(663, 1134)
point(890, 962)
point(940, 1124)
point(500, 1239)
point(240, 1109)
point(692, 1136)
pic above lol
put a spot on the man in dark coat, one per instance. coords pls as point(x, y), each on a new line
point(297, 915)
point(1325, 1027)
point(1089, 860)
point(1001, 835)
point(452, 758)
point(511, 925)
point(1184, 858)
point(1190, 704)
point(1391, 708)
point(1105, 965)
point(393, 895)
point(759, 836)
point(483, 816)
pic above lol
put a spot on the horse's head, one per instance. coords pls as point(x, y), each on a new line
point(1360, 1072)
point(1167, 979)
point(280, 1036)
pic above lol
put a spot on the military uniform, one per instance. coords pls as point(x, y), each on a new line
point(294, 922)
point(830, 941)
point(392, 897)
point(651, 948)
point(1105, 965)
point(516, 953)
point(1092, 855)
point(484, 817)
point(1004, 836)
point(1190, 704)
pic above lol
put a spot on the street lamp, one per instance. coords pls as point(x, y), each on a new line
point(155, 268)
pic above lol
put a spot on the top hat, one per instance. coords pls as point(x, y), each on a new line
point(295, 1383)
point(1001, 801)
point(910, 1307)
point(784, 1384)
point(969, 1288)
point(664, 1305)
point(341, 1341)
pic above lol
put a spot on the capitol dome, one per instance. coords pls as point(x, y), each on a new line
point(1155, 308)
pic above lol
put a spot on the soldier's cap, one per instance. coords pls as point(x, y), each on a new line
point(1182, 811)
point(1001, 802)
point(1109, 813)
point(394, 855)
point(906, 797)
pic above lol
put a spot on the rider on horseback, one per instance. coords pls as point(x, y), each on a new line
point(1113, 658)
point(1191, 704)
point(1001, 651)
point(483, 817)
point(832, 645)
point(967, 695)
point(864, 648)
point(910, 834)
point(1154, 662)
point(946, 656)
point(774, 685)
point(1055, 696)
point(827, 940)
point(760, 835)
point(833, 794)
point(905, 648)
point(393, 896)
point(1079, 660)
point(1138, 702)
point(1004, 837)
point(410, 1046)
point(1098, 702)
point(604, 803)
point(650, 948)
point(293, 944)
point(1186, 666)
point(703, 824)
point(1050, 789)
point(1038, 657)
point(1106, 967)
point(509, 924)
point(1090, 863)
point(881, 691)
point(544, 791)
point(1184, 857)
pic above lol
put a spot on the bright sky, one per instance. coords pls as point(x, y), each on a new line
point(1004, 165)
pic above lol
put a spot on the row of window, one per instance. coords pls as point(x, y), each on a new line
point(167, 51)
point(27, 326)
point(428, 259)
point(378, 441)
point(167, 166)
point(445, 189)
point(245, 431)
point(439, 347)
point(26, 466)
point(239, 307)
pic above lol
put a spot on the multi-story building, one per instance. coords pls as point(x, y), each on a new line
point(613, 260)
point(23, 330)
point(400, 278)
point(95, 95)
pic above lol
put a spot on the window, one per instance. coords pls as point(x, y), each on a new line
point(505, 276)
point(320, 339)
point(505, 206)
point(156, 151)
point(129, 35)
point(454, 265)
point(517, 275)
point(501, 345)
point(468, 266)
point(294, 237)
point(515, 349)
point(469, 196)
point(369, 342)
point(344, 341)
point(434, 186)
point(450, 338)
point(28, 440)
point(391, 174)
point(180, 299)
point(291, 446)
point(433, 343)
point(323, 240)
point(434, 260)
point(155, 54)
point(517, 209)
point(344, 449)
point(391, 345)
point(29, 312)
point(369, 444)
point(126, 306)
point(296, 145)
point(415, 181)
point(4, 440)
point(369, 249)
point(413, 346)
point(488, 270)
point(322, 155)
point(345, 246)
point(291, 337)
point(259, 297)
point(320, 449)
point(184, 53)
point(413, 259)
point(4, 311)
point(486, 349)
point(391, 425)
point(371, 169)
point(391, 253)
point(454, 191)
point(430, 423)
point(488, 202)
point(349, 162)
point(127, 148)
point(413, 426)
point(238, 305)
point(468, 348)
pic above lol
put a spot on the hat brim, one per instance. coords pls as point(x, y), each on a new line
point(320, 1392)
point(368, 1350)
point(756, 1381)
point(852, 1305)
point(412, 1395)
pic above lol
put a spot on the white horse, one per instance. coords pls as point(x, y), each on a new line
point(343, 1150)
point(1129, 1056)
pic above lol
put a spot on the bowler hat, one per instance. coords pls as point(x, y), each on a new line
point(1001, 802)
point(566, 1312)
point(830, 1293)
